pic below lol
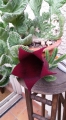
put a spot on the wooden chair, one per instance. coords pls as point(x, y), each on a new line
point(62, 101)
point(44, 88)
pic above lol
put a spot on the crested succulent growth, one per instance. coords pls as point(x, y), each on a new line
point(50, 24)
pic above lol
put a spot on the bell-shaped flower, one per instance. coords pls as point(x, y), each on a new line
point(32, 67)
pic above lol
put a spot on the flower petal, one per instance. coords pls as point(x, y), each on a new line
point(30, 82)
point(29, 67)
point(46, 65)
point(38, 53)
point(18, 71)
point(45, 70)
point(32, 67)
point(23, 54)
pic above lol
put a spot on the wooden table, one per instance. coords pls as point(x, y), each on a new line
point(55, 88)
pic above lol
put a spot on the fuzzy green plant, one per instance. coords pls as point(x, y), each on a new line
point(44, 22)
point(11, 12)
point(42, 25)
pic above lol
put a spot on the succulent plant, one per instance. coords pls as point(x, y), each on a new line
point(50, 24)
point(53, 61)
point(16, 30)
point(11, 18)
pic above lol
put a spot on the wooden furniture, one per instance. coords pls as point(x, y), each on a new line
point(44, 88)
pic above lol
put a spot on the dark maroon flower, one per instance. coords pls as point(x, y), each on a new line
point(32, 67)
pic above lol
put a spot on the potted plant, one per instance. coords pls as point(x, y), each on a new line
point(48, 25)
point(17, 30)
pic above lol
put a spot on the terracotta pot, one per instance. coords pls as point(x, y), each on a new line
point(50, 48)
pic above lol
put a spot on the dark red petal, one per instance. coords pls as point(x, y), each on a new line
point(46, 63)
point(23, 54)
point(18, 71)
point(45, 69)
point(38, 53)
point(32, 67)
point(30, 82)
point(46, 72)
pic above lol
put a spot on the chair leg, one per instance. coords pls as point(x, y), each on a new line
point(29, 104)
point(64, 112)
point(59, 108)
point(54, 107)
point(43, 107)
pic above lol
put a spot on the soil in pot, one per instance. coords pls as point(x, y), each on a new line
point(39, 43)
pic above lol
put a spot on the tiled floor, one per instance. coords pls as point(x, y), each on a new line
point(19, 111)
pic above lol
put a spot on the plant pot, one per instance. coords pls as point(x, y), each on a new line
point(50, 48)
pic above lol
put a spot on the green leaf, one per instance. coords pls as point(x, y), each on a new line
point(18, 22)
point(5, 72)
point(14, 50)
point(50, 78)
point(59, 59)
point(3, 34)
point(5, 59)
point(5, 82)
point(1, 24)
point(27, 40)
point(8, 68)
point(52, 66)
point(55, 51)
point(15, 61)
point(3, 77)
point(50, 2)
point(43, 23)
point(15, 39)
point(13, 9)
point(36, 6)
point(32, 30)
point(5, 1)
point(1, 2)
point(56, 4)
point(47, 56)
point(22, 30)
point(2, 47)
